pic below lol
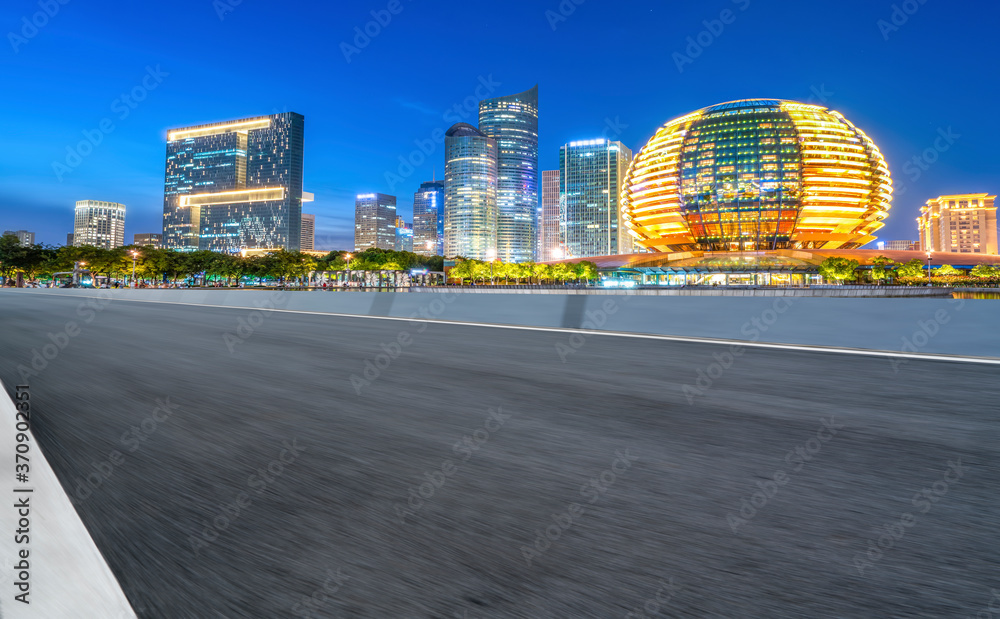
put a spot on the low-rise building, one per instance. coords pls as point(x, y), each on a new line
point(148, 240)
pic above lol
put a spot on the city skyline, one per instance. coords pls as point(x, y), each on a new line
point(928, 148)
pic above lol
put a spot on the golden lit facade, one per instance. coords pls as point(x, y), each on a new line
point(235, 185)
point(963, 223)
point(757, 174)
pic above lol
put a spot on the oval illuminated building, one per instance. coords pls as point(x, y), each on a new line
point(757, 174)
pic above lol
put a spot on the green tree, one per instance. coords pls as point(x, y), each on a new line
point(563, 271)
point(985, 271)
point(840, 269)
point(462, 271)
point(882, 268)
point(586, 270)
point(480, 270)
point(946, 270)
point(540, 272)
point(11, 255)
point(912, 270)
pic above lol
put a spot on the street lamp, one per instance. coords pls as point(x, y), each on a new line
point(491, 255)
point(135, 255)
point(929, 281)
point(76, 271)
point(348, 257)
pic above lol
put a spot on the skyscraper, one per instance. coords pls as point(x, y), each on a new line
point(100, 224)
point(27, 239)
point(235, 185)
point(308, 232)
point(404, 235)
point(470, 193)
point(965, 223)
point(591, 176)
point(549, 245)
point(513, 122)
point(428, 219)
point(374, 221)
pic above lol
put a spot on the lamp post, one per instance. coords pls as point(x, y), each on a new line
point(76, 272)
point(929, 281)
point(135, 255)
point(348, 257)
point(491, 254)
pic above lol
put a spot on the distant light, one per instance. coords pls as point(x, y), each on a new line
point(618, 283)
point(366, 196)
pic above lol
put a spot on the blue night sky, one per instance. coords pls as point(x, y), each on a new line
point(605, 61)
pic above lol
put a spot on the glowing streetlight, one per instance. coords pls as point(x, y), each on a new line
point(135, 255)
point(491, 255)
point(929, 281)
point(348, 257)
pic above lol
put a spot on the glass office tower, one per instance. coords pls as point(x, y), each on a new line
point(235, 185)
point(374, 221)
point(470, 193)
point(308, 242)
point(591, 176)
point(513, 122)
point(99, 224)
point(404, 235)
point(428, 219)
point(549, 228)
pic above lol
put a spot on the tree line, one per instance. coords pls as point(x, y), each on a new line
point(164, 265)
point(529, 272)
point(913, 272)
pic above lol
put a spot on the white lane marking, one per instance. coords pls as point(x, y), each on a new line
point(892, 354)
point(68, 576)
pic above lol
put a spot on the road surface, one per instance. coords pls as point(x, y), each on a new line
point(241, 471)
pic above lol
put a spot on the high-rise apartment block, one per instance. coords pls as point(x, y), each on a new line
point(374, 221)
point(99, 224)
point(27, 239)
point(235, 185)
point(512, 121)
point(549, 244)
point(591, 176)
point(428, 219)
point(900, 245)
point(308, 242)
point(470, 193)
point(963, 223)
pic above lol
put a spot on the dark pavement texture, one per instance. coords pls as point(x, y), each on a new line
point(666, 518)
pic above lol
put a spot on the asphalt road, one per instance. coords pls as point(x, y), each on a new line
point(380, 500)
